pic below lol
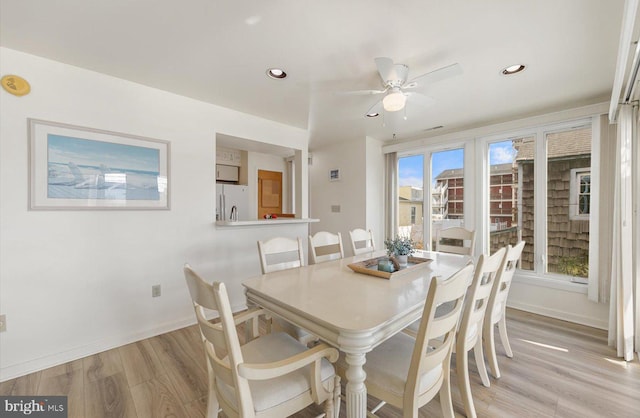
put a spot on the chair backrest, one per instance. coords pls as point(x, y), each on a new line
point(362, 241)
point(325, 246)
point(280, 254)
point(221, 339)
point(457, 240)
point(498, 299)
point(443, 327)
point(486, 271)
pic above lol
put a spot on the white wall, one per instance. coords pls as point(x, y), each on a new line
point(358, 192)
point(74, 283)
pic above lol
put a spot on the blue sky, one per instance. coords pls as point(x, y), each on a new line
point(65, 149)
point(411, 169)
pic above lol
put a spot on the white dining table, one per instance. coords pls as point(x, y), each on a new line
point(351, 311)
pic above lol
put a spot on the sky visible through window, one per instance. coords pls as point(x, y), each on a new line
point(411, 169)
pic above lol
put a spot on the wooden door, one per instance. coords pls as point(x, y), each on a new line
point(269, 192)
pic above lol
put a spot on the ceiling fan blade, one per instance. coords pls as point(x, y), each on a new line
point(376, 108)
point(361, 92)
point(419, 99)
point(434, 76)
point(385, 66)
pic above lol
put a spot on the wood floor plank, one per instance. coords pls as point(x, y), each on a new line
point(21, 386)
point(101, 365)
point(65, 380)
point(157, 398)
point(109, 397)
point(188, 374)
point(197, 408)
point(140, 362)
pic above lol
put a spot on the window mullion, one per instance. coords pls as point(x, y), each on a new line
point(540, 193)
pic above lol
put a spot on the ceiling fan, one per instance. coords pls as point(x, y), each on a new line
point(394, 79)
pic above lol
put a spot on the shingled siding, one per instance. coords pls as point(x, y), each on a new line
point(567, 240)
point(527, 215)
point(499, 239)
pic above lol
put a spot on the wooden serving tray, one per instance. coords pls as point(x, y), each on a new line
point(370, 267)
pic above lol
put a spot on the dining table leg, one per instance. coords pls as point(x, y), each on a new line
point(356, 389)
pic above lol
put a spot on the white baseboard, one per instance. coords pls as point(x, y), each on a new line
point(30, 366)
point(21, 369)
point(557, 314)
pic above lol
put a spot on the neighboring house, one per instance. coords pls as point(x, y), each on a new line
point(449, 191)
point(568, 200)
point(452, 180)
point(411, 200)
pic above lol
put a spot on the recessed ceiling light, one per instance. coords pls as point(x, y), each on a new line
point(512, 69)
point(373, 114)
point(276, 73)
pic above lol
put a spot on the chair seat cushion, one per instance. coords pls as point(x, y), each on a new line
point(388, 365)
point(269, 393)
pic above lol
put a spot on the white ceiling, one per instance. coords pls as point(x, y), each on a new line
point(218, 51)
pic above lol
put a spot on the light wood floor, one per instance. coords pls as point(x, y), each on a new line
point(559, 369)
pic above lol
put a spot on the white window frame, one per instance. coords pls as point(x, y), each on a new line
point(468, 147)
point(574, 194)
point(539, 275)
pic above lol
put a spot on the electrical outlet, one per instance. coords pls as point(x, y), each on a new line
point(3, 323)
point(156, 291)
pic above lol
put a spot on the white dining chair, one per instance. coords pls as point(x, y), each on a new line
point(469, 334)
point(456, 240)
point(325, 246)
point(496, 308)
point(281, 253)
point(201, 297)
point(408, 372)
point(361, 241)
point(272, 376)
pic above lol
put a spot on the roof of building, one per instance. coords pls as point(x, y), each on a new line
point(560, 144)
point(451, 173)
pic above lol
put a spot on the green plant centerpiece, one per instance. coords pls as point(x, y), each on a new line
point(400, 248)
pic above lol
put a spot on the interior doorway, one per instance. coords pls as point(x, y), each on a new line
point(269, 193)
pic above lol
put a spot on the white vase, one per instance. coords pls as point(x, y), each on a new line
point(402, 260)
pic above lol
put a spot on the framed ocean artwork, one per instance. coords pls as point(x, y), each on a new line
point(73, 167)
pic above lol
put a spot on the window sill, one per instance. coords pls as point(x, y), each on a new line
point(553, 283)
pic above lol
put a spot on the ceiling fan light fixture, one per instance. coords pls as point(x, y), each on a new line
point(513, 69)
point(276, 73)
point(394, 101)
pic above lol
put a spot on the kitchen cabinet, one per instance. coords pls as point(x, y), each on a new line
point(226, 173)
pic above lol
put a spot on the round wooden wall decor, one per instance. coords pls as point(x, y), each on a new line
point(15, 85)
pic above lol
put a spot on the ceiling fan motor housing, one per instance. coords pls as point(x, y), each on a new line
point(397, 76)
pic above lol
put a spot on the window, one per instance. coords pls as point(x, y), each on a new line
point(568, 161)
point(411, 197)
point(580, 194)
point(511, 164)
point(447, 190)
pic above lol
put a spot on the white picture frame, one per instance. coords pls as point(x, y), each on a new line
point(78, 168)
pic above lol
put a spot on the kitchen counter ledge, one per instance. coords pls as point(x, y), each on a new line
point(266, 222)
